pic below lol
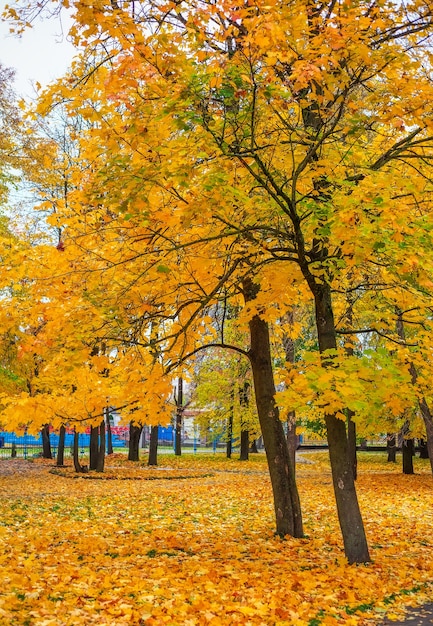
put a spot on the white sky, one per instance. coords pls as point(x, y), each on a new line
point(41, 54)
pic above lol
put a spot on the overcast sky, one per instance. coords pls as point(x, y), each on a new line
point(40, 55)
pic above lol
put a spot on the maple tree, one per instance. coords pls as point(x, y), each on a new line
point(278, 151)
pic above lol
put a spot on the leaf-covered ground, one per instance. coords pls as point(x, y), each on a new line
point(202, 551)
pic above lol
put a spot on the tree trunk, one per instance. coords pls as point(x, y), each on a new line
point(291, 437)
point(77, 465)
point(178, 422)
point(100, 464)
point(289, 349)
point(351, 443)
point(245, 445)
point(408, 450)
point(244, 401)
point(391, 446)
point(109, 433)
point(286, 498)
point(153, 446)
point(46, 444)
point(61, 447)
point(349, 514)
point(134, 442)
point(93, 447)
point(229, 442)
point(253, 447)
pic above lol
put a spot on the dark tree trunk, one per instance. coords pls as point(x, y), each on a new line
point(289, 349)
point(77, 465)
point(134, 442)
point(93, 447)
point(244, 400)
point(229, 442)
point(253, 447)
point(428, 421)
point(100, 464)
point(245, 445)
point(46, 444)
point(351, 443)
point(286, 498)
point(153, 446)
point(391, 446)
point(349, 514)
point(408, 450)
point(291, 437)
point(423, 450)
point(178, 421)
point(229, 436)
point(61, 447)
point(109, 433)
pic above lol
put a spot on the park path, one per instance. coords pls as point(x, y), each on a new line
point(418, 616)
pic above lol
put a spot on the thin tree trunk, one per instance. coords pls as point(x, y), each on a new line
point(61, 448)
point(244, 401)
point(349, 514)
point(100, 465)
point(408, 449)
point(289, 349)
point(46, 444)
point(93, 447)
point(245, 445)
point(229, 441)
point(351, 443)
point(109, 433)
point(253, 447)
point(291, 437)
point(178, 421)
point(391, 446)
point(77, 465)
point(286, 498)
point(153, 446)
point(134, 442)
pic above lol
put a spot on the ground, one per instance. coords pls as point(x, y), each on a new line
point(195, 545)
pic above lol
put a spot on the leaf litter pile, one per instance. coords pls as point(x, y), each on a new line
point(202, 550)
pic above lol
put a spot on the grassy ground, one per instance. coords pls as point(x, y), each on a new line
point(201, 549)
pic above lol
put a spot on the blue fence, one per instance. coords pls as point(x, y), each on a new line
point(26, 445)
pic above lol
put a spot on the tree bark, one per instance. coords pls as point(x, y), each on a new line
point(93, 447)
point(229, 442)
point(244, 401)
point(253, 447)
point(46, 444)
point(351, 443)
point(153, 446)
point(178, 420)
point(109, 433)
point(61, 448)
point(286, 498)
point(134, 442)
point(291, 437)
point(391, 446)
point(408, 450)
point(77, 465)
point(289, 349)
point(100, 464)
point(349, 514)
